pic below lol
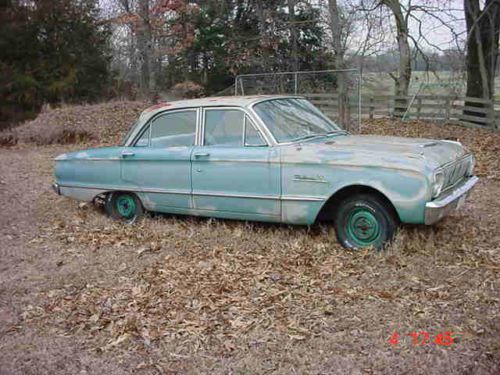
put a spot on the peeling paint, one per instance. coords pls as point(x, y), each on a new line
point(288, 183)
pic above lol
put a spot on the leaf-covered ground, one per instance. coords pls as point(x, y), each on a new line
point(81, 294)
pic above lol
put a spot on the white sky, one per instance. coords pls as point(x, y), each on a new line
point(433, 30)
point(435, 35)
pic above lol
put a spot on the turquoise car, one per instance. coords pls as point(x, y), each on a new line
point(273, 159)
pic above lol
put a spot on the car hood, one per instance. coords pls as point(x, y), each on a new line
point(380, 151)
point(436, 152)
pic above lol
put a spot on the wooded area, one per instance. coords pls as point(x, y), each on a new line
point(88, 50)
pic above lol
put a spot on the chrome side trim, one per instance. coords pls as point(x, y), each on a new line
point(223, 160)
point(251, 196)
point(142, 190)
point(303, 198)
point(318, 179)
point(165, 191)
point(230, 195)
point(99, 159)
point(203, 193)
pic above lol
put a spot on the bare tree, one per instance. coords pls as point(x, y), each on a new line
point(402, 36)
point(483, 29)
point(337, 31)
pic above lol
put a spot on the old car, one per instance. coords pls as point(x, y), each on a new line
point(274, 159)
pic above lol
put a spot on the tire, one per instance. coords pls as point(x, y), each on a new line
point(124, 207)
point(365, 220)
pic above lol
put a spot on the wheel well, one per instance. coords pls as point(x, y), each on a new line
point(327, 212)
point(104, 195)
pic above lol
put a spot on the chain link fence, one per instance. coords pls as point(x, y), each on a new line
point(335, 92)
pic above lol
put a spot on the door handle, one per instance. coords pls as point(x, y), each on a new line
point(127, 153)
point(201, 154)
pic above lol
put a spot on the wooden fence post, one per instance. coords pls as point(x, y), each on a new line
point(496, 115)
point(372, 108)
point(448, 104)
point(491, 113)
point(419, 107)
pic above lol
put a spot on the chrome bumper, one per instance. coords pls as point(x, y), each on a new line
point(440, 207)
point(56, 188)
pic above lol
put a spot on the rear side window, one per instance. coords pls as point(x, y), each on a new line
point(174, 129)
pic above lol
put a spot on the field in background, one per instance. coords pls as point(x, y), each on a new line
point(346, 97)
point(81, 294)
point(441, 83)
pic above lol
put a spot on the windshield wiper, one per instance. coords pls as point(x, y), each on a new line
point(337, 132)
point(309, 136)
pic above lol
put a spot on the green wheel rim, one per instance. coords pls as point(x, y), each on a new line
point(125, 205)
point(363, 228)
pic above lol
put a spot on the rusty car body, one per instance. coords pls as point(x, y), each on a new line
point(270, 158)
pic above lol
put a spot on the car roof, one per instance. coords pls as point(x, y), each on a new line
point(221, 101)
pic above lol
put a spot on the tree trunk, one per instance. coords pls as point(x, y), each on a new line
point(344, 117)
point(145, 46)
point(259, 8)
point(293, 36)
point(402, 81)
point(483, 28)
point(336, 30)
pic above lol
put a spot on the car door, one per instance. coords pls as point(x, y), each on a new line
point(233, 168)
point(159, 162)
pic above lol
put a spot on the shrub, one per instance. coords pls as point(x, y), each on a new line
point(188, 90)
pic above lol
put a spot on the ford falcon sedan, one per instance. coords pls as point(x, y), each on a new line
point(274, 159)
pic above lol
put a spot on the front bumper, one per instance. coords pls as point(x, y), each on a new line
point(440, 207)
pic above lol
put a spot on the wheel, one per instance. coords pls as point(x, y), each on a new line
point(364, 220)
point(125, 207)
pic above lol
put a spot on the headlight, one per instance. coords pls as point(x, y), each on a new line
point(438, 183)
point(472, 164)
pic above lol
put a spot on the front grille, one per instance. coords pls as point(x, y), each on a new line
point(456, 171)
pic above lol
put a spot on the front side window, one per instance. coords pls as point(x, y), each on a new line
point(224, 127)
point(174, 129)
point(252, 135)
point(130, 132)
point(293, 119)
point(143, 140)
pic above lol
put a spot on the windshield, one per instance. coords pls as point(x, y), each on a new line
point(293, 119)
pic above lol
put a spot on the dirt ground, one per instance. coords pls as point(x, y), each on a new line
point(80, 294)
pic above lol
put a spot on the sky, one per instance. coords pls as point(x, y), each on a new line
point(435, 32)
point(435, 35)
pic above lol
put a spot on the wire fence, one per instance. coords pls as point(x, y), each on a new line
point(341, 86)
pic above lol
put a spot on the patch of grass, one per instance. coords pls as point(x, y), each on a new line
point(233, 296)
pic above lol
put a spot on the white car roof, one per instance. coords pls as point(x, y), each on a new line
point(221, 101)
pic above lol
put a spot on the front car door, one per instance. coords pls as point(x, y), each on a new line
point(234, 171)
point(158, 163)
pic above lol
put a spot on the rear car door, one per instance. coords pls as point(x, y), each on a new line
point(159, 162)
point(233, 169)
